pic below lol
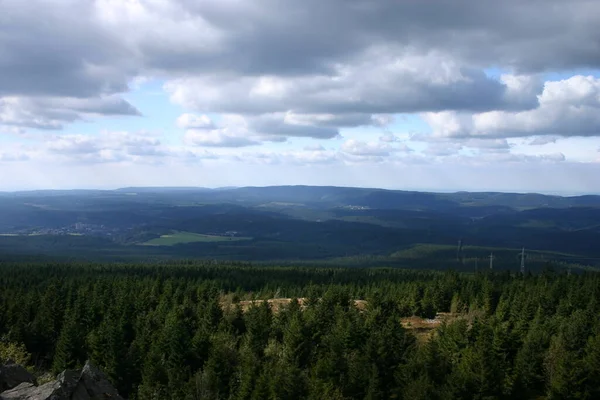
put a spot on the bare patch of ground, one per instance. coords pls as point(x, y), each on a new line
point(422, 328)
point(278, 304)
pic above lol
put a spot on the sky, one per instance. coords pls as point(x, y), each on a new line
point(434, 95)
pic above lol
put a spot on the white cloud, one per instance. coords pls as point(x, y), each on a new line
point(385, 81)
point(542, 140)
point(569, 107)
point(13, 157)
point(248, 74)
point(509, 157)
point(191, 121)
point(442, 149)
point(317, 147)
point(389, 138)
point(488, 145)
point(359, 148)
point(55, 112)
point(216, 138)
point(105, 147)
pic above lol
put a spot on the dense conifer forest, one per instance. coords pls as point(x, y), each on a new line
point(178, 330)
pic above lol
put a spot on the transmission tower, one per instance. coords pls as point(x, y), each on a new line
point(459, 250)
point(523, 261)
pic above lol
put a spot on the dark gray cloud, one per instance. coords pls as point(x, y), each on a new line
point(349, 58)
point(295, 37)
point(403, 84)
point(85, 48)
point(57, 48)
point(54, 112)
point(542, 140)
point(276, 125)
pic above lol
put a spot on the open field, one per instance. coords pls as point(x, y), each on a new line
point(422, 328)
point(189, 237)
point(278, 304)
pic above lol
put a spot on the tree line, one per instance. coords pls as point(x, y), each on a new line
point(162, 332)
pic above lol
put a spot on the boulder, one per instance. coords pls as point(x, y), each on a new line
point(28, 391)
point(97, 384)
point(11, 375)
point(88, 383)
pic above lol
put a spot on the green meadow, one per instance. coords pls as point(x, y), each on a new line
point(175, 238)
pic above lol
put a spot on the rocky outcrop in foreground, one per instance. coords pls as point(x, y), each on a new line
point(88, 383)
point(12, 375)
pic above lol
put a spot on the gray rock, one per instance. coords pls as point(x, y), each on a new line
point(27, 391)
point(68, 381)
point(88, 383)
point(11, 375)
point(80, 393)
point(17, 392)
point(97, 384)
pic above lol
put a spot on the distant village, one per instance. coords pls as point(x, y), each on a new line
point(75, 229)
point(82, 229)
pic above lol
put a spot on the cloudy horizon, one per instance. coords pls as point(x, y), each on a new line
point(436, 95)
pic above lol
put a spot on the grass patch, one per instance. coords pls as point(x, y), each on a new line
point(189, 237)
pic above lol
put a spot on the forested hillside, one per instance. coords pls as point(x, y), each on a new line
point(302, 224)
point(177, 331)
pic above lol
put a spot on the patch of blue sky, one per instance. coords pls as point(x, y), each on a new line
point(9, 138)
point(158, 114)
point(494, 72)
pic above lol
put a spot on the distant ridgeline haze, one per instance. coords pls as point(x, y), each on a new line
point(305, 224)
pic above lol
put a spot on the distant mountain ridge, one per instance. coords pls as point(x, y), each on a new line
point(291, 223)
point(382, 198)
point(335, 196)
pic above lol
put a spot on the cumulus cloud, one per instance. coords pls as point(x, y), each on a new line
point(443, 149)
point(383, 82)
point(191, 121)
point(549, 158)
point(446, 147)
point(542, 140)
point(488, 144)
point(202, 131)
point(317, 147)
point(389, 138)
point(13, 157)
point(357, 61)
point(277, 124)
point(569, 107)
point(357, 151)
point(359, 148)
point(295, 157)
point(246, 73)
point(107, 146)
point(216, 138)
point(260, 38)
point(235, 130)
point(55, 112)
